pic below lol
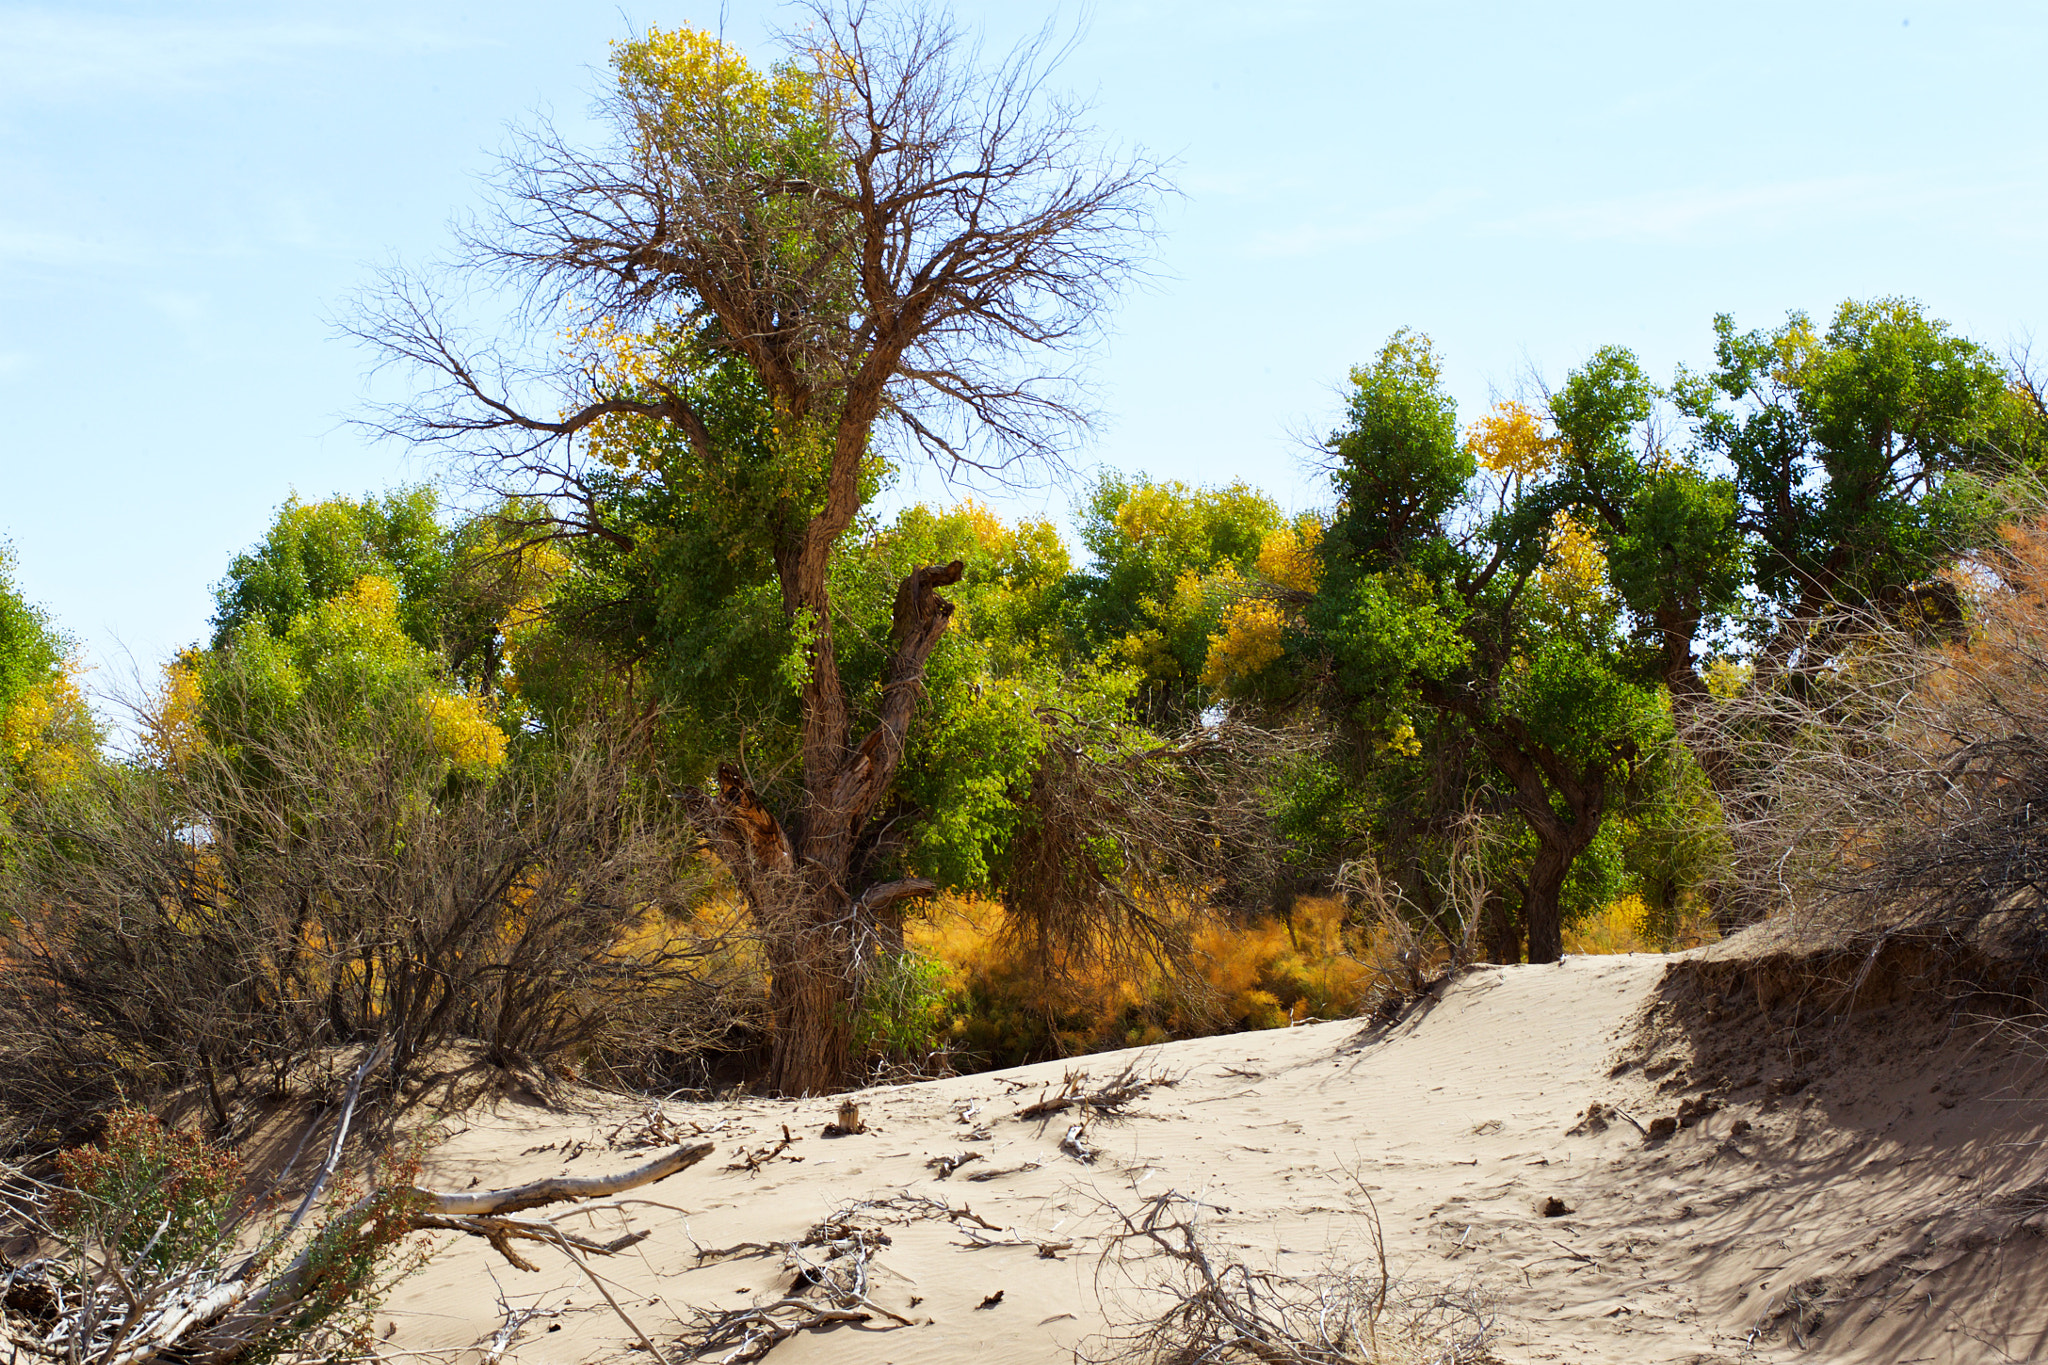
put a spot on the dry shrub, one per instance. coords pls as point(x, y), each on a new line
point(238, 920)
point(1273, 972)
point(1895, 778)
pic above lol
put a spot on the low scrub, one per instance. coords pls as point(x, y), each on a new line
point(1894, 781)
point(234, 921)
point(1002, 1006)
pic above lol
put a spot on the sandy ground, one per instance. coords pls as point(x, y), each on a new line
point(1846, 1191)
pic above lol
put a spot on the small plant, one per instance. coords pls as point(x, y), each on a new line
point(903, 1008)
point(150, 1196)
point(161, 1255)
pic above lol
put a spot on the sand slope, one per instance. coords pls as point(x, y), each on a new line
point(1860, 1186)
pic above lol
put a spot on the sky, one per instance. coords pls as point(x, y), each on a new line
point(194, 188)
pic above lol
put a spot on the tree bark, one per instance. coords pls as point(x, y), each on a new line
point(817, 928)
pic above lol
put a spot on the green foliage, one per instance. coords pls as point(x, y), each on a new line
point(1395, 628)
point(315, 552)
point(157, 1199)
point(342, 610)
point(1578, 705)
point(1677, 547)
point(32, 651)
point(1853, 450)
point(1481, 597)
point(1167, 559)
point(902, 1008)
point(1322, 816)
point(1397, 465)
point(968, 768)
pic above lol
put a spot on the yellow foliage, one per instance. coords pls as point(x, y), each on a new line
point(1574, 573)
point(1249, 641)
point(1400, 739)
point(1288, 556)
point(465, 732)
point(1150, 511)
point(172, 732)
point(1725, 678)
point(990, 532)
point(1510, 440)
point(1257, 975)
point(1620, 926)
point(1269, 974)
point(48, 735)
point(688, 89)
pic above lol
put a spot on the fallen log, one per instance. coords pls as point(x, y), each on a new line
point(559, 1188)
point(217, 1323)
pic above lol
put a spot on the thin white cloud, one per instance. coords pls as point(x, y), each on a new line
point(57, 54)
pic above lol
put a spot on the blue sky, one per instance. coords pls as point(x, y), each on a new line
point(192, 190)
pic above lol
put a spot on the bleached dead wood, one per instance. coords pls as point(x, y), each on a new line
point(218, 1318)
point(560, 1188)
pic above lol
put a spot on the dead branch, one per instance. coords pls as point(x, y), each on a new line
point(1208, 1306)
point(509, 1330)
point(753, 1161)
point(560, 1188)
point(820, 1294)
point(1111, 1099)
point(112, 1314)
point(500, 1231)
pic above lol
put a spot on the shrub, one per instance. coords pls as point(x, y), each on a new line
point(1004, 1008)
point(1890, 781)
point(159, 1254)
point(150, 1196)
point(902, 1008)
point(231, 920)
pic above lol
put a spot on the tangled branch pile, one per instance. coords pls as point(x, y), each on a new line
point(1212, 1307)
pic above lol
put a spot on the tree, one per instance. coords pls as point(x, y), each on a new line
point(47, 733)
point(1858, 456)
point(1457, 585)
point(876, 236)
point(1168, 559)
point(317, 551)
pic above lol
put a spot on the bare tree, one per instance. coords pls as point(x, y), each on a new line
point(898, 238)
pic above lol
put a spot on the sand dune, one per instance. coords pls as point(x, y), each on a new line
point(1849, 1190)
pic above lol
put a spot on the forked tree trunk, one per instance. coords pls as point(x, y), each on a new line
point(815, 922)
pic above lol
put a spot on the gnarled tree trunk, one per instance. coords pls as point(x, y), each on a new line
point(818, 929)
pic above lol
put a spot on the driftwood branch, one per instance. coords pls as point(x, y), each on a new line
point(562, 1188)
point(219, 1317)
